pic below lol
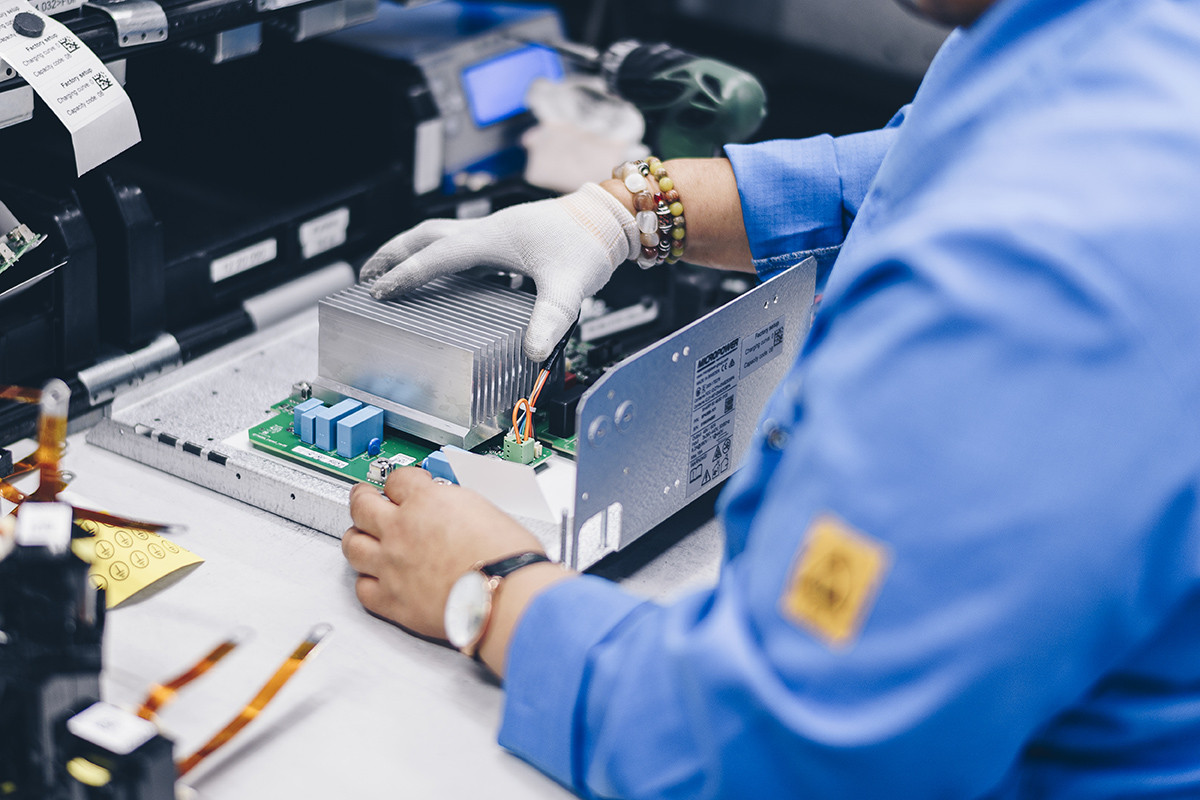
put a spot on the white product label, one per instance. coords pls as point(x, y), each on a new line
point(73, 82)
point(713, 413)
point(244, 259)
point(618, 321)
point(428, 156)
point(45, 525)
point(401, 460)
point(478, 208)
point(762, 346)
point(322, 457)
point(56, 6)
point(324, 232)
point(112, 728)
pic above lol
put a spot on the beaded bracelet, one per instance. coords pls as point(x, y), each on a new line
point(659, 214)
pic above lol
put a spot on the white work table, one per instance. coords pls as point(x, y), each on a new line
point(376, 713)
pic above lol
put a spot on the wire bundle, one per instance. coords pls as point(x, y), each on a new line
point(522, 414)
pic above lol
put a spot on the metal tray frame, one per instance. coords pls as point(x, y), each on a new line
point(636, 423)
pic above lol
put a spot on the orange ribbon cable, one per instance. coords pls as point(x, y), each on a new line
point(20, 394)
point(23, 467)
point(163, 693)
point(11, 493)
point(52, 437)
point(264, 696)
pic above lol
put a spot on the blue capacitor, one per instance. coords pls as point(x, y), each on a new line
point(375, 446)
point(302, 419)
point(438, 465)
point(324, 420)
point(356, 430)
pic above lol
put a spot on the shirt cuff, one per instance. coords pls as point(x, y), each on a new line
point(546, 671)
point(791, 196)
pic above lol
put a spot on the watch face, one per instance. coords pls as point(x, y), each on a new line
point(467, 609)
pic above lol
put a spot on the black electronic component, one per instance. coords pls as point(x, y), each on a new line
point(129, 262)
point(601, 355)
point(560, 410)
point(6, 463)
point(49, 317)
point(53, 620)
point(146, 772)
point(59, 742)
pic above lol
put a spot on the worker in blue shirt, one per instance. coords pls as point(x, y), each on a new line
point(963, 555)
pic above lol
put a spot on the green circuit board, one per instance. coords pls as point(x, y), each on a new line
point(563, 445)
point(276, 435)
point(17, 243)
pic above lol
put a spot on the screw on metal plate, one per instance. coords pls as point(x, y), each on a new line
point(30, 25)
point(624, 416)
point(598, 431)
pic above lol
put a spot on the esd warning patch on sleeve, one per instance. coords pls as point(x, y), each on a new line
point(833, 583)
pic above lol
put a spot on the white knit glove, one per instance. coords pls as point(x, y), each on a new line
point(569, 245)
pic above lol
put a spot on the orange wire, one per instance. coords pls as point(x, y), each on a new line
point(525, 431)
point(516, 426)
point(162, 693)
point(264, 696)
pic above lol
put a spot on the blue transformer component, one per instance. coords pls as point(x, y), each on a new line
point(437, 465)
point(302, 419)
point(324, 420)
point(356, 431)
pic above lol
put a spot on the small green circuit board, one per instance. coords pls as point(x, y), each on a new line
point(276, 435)
point(17, 243)
point(558, 443)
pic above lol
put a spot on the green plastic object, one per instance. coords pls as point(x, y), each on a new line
point(525, 452)
point(714, 104)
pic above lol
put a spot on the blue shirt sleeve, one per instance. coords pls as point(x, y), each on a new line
point(1000, 390)
point(800, 196)
point(922, 394)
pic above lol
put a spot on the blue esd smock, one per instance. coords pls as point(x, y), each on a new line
point(1001, 392)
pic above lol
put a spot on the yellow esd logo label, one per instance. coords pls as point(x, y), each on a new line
point(834, 581)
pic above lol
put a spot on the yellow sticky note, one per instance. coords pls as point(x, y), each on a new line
point(126, 560)
point(833, 584)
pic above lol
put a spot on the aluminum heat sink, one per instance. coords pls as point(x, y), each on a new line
point(444, 362)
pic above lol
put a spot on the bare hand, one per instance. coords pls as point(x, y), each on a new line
point(412, 545)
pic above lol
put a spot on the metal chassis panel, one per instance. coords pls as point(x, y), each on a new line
point(628, 478)
point(635, 423)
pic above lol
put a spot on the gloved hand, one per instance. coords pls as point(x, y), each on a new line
point(569, 245)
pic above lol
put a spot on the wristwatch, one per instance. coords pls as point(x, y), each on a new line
point(469, 606)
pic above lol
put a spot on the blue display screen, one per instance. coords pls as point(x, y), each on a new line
point(496, 88)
